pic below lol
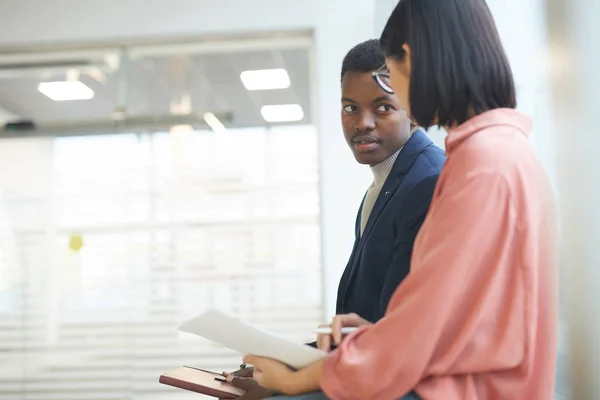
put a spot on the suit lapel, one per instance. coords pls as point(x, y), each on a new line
point(387, 191)
point(345, 279)
point(409, 153)
point(405, 160)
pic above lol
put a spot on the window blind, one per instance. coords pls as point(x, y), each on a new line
point(170, 223)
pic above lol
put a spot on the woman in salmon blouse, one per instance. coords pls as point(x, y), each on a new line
point(476, 318)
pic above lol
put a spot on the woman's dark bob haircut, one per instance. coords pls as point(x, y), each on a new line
point(458, 66)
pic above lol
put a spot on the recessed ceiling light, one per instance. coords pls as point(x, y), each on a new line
point(181, 128)
point(282, 113)
point(66, 90)
point(265, 79)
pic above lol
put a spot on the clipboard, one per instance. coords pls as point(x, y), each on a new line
point(200, 381)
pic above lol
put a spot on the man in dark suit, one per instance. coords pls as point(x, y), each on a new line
point(405, 165)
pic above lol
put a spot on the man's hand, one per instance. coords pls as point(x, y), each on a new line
point(324, 341)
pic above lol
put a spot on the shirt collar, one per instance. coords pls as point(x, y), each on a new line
point(499, 116)
point(383, 169)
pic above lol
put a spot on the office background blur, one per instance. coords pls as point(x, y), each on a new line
point(173, 188)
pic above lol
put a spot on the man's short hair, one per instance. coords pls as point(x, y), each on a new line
point(459, 66)
point(364, 57)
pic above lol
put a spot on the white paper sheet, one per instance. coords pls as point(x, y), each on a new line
point(244, 338)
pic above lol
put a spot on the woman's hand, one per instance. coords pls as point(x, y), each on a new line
point(243, 372)
point(252, 390)
point(272, 374)
point(324, 341)
point(279, 377)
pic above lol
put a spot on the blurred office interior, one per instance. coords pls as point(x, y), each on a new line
point(165, 180)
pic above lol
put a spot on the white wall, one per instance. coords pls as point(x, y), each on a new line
point(384, 9)
point(26, 22)
point(343, 181)
point(574, 51)
point(6, 116)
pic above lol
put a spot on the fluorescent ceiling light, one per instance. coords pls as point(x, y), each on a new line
point(282, 113)
point(214, 123)
point(66, 90)
point(181, 128)
point(265, 79)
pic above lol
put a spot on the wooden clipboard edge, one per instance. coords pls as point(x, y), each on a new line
point(192, 387)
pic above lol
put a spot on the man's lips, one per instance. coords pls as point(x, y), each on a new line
point(365, 143)
point(365, 140)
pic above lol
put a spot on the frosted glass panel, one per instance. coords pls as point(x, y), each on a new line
point(108, 243)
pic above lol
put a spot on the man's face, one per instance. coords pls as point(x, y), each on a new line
point(374, 125)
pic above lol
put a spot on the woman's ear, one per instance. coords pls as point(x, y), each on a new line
point(407, 59)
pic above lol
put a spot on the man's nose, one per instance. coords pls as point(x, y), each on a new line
point(365, 122)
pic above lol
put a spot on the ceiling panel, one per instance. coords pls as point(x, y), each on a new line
point(211, 81)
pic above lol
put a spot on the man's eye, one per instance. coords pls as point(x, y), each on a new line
point(349, 109)
point(384, 108)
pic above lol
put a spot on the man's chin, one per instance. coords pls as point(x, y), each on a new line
point(368, 159)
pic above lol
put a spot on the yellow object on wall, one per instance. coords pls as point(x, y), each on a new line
point(76, 242)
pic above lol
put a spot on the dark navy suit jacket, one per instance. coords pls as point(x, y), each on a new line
point(380, 259)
